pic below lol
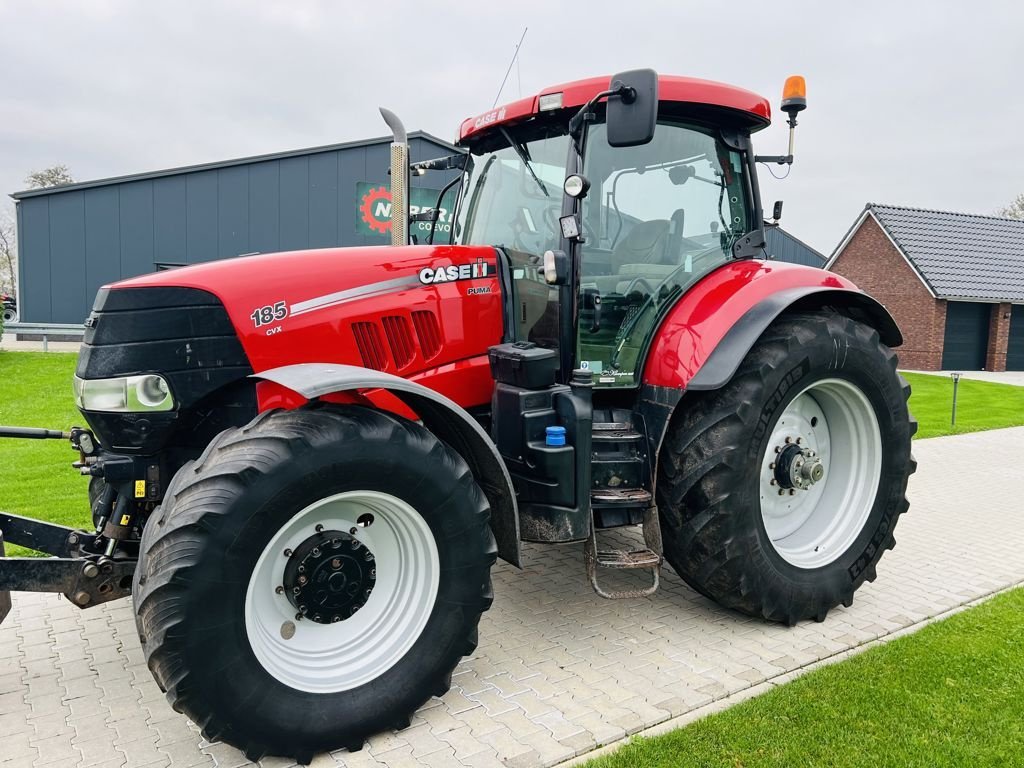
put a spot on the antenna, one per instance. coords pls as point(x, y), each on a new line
point(515, 55)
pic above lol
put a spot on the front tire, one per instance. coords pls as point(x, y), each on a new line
point(779, 492)
point(313, 578)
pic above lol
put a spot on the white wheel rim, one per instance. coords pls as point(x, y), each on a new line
point(813, 526)
point(328, 658)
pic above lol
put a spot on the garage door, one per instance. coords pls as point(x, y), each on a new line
point(1015, 349)
point(966, 336)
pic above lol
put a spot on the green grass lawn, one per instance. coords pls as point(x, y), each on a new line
point(949, 695)
point(980, 405)
point(36, 478)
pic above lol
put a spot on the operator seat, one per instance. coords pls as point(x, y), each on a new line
point(642, 253)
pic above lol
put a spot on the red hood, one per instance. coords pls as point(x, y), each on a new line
point(414, 311)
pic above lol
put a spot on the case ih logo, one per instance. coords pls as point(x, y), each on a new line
point(430, 275)
point(494, 116)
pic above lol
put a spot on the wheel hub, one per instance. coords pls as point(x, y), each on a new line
point(797, 467)
point(329, 576)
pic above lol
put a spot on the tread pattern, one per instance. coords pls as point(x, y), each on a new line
point(176, 539)
point(708, 540)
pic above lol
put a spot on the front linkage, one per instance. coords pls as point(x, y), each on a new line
point(87, 568)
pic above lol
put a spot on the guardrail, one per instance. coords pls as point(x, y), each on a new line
point(46, 331)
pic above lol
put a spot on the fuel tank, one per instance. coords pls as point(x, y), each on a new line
point(420, 312)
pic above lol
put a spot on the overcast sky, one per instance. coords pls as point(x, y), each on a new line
point(911, 103)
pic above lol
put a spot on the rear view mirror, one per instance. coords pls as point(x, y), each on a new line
point(632, 114)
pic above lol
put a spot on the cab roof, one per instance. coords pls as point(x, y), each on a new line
point(670, 88)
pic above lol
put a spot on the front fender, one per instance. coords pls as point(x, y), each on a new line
point(440, 415)
point(709, 331)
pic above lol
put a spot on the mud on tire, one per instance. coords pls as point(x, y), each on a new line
point(201, 546)
point(711, 473)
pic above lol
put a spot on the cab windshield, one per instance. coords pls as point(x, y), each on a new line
point(657, 218)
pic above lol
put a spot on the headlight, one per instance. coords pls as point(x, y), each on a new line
point(127, 394)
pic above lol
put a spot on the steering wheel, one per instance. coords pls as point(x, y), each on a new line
point(636, 281)
point(633, 318)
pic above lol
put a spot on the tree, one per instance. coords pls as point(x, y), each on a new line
point(8, 257)
point(49, 177)
point(1014, 210)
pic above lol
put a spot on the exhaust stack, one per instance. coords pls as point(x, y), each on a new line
point(399, 178)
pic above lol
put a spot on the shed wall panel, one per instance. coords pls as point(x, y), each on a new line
point(294, 203)
point(264, 205)
point(34, 262)
point(102, 239)
point(323, 200)
point(170, 221)
point(201, 239)
point(68, 302)
point(232, 211)
point(136, 228)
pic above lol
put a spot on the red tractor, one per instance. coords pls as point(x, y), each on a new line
point(304, 465)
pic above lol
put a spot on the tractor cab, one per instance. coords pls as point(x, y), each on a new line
point(608, 206)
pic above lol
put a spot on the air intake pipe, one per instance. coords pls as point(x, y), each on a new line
point(399, 178)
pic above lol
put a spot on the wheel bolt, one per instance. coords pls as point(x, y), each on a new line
point(303, 579)
point(319, 528)
point(302, 569)
point(287, 553)
point(335, 619)
point(355, 544)
point(792, 491)
point(772, 465)
point(799, 440)
point(789, 440)
point(279, 590)
point(368, 556)
point(353, 530)
point(782, 491)
point(778, 449)
point(295, 590)
point(336, 563)
point(316, 552)
point(373, 573)
point(772, 481)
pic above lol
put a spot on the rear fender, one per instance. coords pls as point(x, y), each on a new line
point(440, 415)
point(706, 335)
point(709, 331)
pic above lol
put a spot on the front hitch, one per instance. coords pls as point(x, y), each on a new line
point(87, 568)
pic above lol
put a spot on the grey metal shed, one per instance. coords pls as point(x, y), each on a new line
point(74, 238)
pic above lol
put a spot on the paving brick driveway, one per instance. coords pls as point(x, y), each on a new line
point(559, 670)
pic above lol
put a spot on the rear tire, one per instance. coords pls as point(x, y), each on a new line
point(736, 528)
point(224, 639)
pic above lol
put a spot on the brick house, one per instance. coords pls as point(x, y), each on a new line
point(953, 281)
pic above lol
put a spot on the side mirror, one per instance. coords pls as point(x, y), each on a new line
point(777, 210)
point(633, 113)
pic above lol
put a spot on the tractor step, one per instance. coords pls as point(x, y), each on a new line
point(647, 558)
point(626, 497)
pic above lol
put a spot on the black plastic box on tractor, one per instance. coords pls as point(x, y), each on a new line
point(551, 475)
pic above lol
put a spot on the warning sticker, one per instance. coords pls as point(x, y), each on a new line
point(140, 489)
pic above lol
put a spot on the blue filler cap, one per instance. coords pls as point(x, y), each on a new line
point(555, 435)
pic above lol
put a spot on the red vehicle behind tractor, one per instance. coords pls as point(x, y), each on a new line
point(304, 465)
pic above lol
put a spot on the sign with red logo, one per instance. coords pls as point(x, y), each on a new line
point(374, 214)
